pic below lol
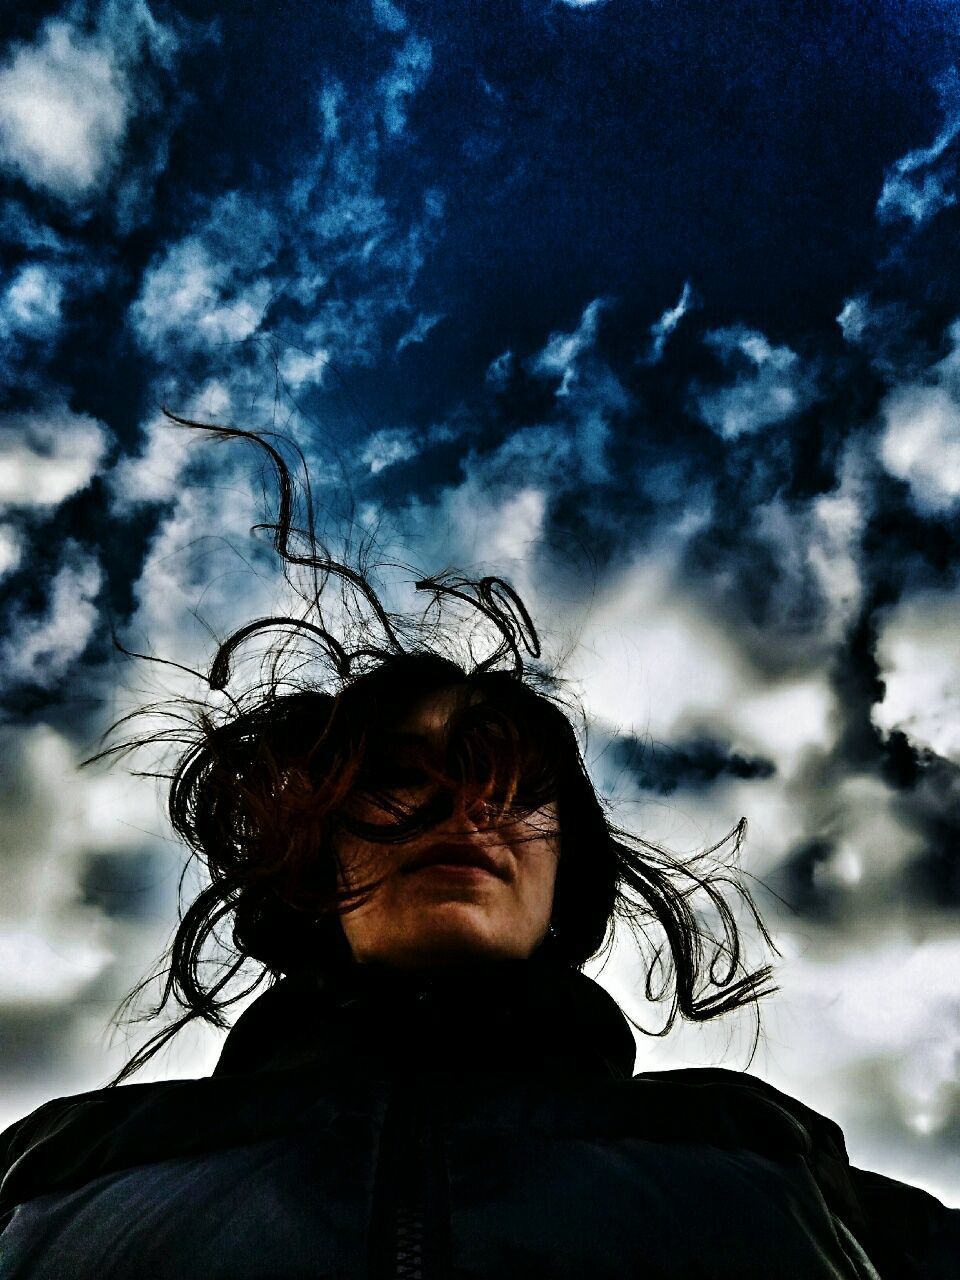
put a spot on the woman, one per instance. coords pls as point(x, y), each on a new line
point(433, 1088)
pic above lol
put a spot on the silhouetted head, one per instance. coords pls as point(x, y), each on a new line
point(409, 808)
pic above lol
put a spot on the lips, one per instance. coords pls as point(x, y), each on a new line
point(457, 855)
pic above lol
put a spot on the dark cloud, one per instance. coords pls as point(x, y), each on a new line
point(690, 765)
point(128, 884)
point(800, 882)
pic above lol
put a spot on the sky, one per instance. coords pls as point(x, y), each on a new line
point(653, 309)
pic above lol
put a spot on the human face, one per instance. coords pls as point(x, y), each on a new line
point(435, 915)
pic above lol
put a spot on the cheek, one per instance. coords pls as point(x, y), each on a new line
point(356, 860)
point(538, 858)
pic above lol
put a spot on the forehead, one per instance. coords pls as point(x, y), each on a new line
point(429, 715)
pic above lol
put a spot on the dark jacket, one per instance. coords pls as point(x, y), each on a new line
point(465, 1126)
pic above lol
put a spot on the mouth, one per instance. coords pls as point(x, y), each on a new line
point(457, 859)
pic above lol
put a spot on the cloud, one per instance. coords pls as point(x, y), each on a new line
point(418, 330)
point(920, 667)
point(499, 370)
point(407, 75)
point(11, 549)
point(66, 100)
point(661, 329)
point(919, 184)
point(42, 822)
point(920, 444)
point(19, 227)
point(213, 287)
point(562, 353)
point(301, 368)
point(690, 764)
point(492, 517)
point(771, 385)
point(349, 258)
point(886, 332)
point(67, 949)
point(31, 326)
point(398, 444)
point(657, 662)
point(157, 472)
point(46, 457)
point(385, 448)
point(31, 302)
point(63, 112)
point(37, 967)
point(388, 15)
point(38, 649)
point(814, 589)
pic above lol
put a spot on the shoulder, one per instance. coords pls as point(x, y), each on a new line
point(60, 1144)
point(53, 1116)
point(740, 1108)
point(724, 1080)
point(908, 1233)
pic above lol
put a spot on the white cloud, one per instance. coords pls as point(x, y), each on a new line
point(388, 15)
point(222, 284)
point(920, 444)
point(648, 661)
point(914, 188)
point(410, 69)
point(195, 561)
point(40, 648)
point(771, 384)
point(47, 457)
point(893, 1002)
point(854, 318)
point(418, 330)
point(42, 824)
point(661, 330)
point(301, 368)
point(47, 967)
point(490, 518)
point(64, 961)
point(11, 549)
point(18, 227)
point(560, 356)
point(817, 588)
point(917, 198)
point(833, 552)
point(31, 302)
point(155, 474)
point(384, 448)
point(195, 297)
point(919, 654)
point(499, 370)
point(66, 100)
point(787, 719)
point(63, 112)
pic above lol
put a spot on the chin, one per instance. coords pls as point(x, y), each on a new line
point(449, 946)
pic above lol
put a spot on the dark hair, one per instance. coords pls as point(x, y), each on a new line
point(259, 791)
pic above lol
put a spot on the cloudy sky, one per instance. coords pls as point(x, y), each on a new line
point(654, 309)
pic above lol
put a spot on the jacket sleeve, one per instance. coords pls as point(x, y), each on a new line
point(910, 1234)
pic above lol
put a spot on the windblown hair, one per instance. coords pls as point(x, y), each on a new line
point(264, 785)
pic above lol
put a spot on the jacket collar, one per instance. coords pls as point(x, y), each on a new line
point(506, 1015)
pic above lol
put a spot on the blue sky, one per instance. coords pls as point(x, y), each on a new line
point(653, 309)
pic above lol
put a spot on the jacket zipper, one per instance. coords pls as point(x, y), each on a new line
point(407, 1237)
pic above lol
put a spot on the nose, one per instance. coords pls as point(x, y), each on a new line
point(474, 815)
